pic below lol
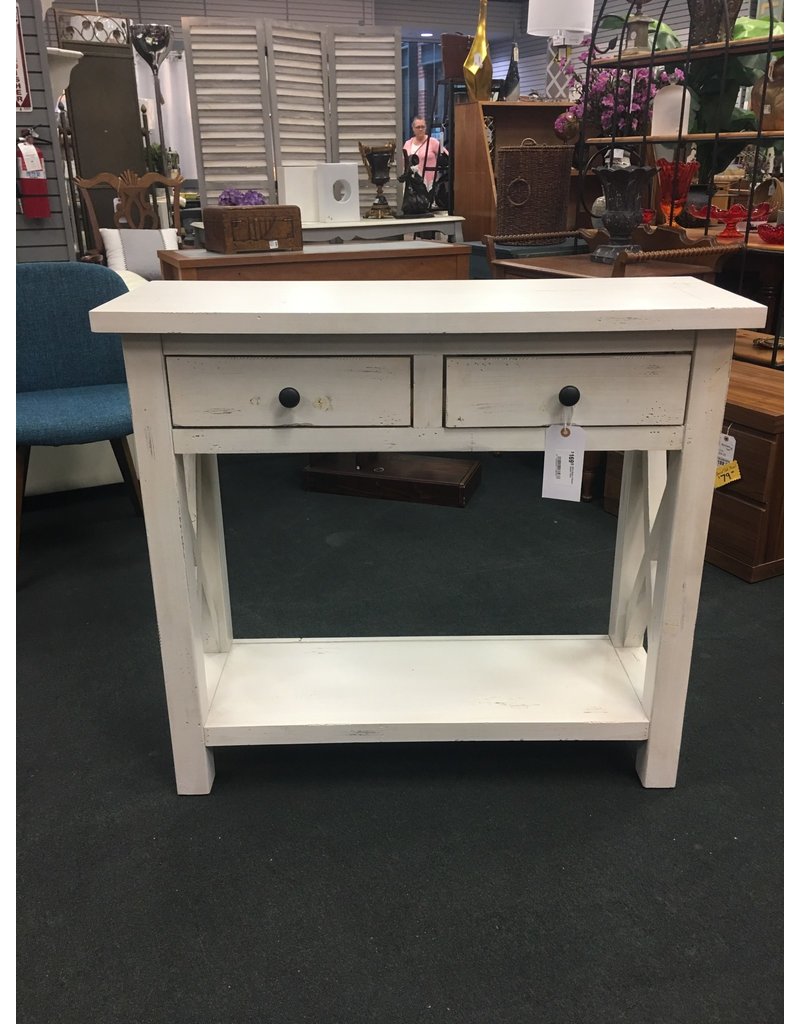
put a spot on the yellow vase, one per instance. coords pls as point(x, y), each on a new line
point(478, 65)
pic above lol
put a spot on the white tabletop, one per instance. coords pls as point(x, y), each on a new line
point(377, 227)
point(401, 223)
point(462, 307)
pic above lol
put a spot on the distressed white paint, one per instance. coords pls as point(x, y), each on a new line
point(434, 688)
point(212, 565)
point(170, 541)
point(452, 343)
point(507, 391)
point(687, 507)
point(464, 307)
point(412, 688)
point(411, 439)
point(335, 391)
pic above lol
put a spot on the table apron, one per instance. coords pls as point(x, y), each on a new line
point(295, 440)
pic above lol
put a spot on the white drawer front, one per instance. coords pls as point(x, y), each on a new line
point(335, 391)
point(522, 391)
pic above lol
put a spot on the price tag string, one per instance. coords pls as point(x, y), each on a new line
point(567, 421)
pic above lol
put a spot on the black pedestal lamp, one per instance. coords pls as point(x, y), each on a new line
point(152, 43)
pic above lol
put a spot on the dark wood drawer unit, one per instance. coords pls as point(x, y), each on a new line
point(745, 534)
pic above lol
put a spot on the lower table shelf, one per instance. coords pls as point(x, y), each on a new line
point(404, 689)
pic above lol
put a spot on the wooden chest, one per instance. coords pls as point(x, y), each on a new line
point(233, 229)
point(745, 533)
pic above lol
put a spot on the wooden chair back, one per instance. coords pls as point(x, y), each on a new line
point(137, 206)
point(652, 237)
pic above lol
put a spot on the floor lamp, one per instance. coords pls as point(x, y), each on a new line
point(152, 43)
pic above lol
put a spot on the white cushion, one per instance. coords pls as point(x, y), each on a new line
point(131, 280)
point(135, 249)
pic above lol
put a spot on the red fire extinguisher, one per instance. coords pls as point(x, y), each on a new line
point(32, 180)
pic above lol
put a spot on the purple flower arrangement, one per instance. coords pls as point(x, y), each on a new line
point(615, 102)
point(235, 197)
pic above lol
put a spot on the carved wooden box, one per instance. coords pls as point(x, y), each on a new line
point(232, 229)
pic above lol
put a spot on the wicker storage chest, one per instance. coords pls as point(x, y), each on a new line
point(252, 228)
point(532, 188)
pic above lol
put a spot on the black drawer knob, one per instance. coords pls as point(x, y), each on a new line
point(289, 397)
point(569, 395)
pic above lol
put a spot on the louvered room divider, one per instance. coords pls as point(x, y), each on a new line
point(266, 93)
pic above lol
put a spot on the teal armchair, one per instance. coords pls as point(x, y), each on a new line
point(71, 386)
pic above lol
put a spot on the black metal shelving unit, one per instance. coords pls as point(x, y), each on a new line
point(616, 59)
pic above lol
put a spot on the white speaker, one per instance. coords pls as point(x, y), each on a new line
point(337, 192)
point(297, 186)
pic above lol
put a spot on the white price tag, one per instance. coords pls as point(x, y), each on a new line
point(727, 447)
point(563, 462)
point(30, 157)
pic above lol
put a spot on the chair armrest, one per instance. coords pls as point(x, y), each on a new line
point(707, 256)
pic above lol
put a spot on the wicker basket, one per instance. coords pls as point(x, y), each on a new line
point(532, 188)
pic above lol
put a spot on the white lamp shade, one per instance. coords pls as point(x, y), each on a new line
point(551, 17)
point(666, 107)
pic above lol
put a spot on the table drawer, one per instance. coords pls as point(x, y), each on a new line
point(522, 391)
point(335, 391)
point(738, 528)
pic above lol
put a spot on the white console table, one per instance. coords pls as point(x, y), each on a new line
point(368, 229)
point(218, 367)
point(385, 227)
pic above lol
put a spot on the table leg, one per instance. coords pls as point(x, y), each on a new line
point(172, 547)
point(684, 516)
point(211, 562)
point(630, 547)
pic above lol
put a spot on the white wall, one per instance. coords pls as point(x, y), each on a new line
point(70, 467)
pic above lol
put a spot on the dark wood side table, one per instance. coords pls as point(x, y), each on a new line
point(582, 265)
point(323, 261)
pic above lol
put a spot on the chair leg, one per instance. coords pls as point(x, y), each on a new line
point(122, 453)
point(23, 458)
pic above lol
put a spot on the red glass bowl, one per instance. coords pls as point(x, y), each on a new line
point(772, 234)
point(730, 217)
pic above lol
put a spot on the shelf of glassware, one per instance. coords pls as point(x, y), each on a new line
point(630, 140)
point(657, 58)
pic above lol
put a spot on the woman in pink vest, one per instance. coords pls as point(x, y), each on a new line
point(425, 149)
